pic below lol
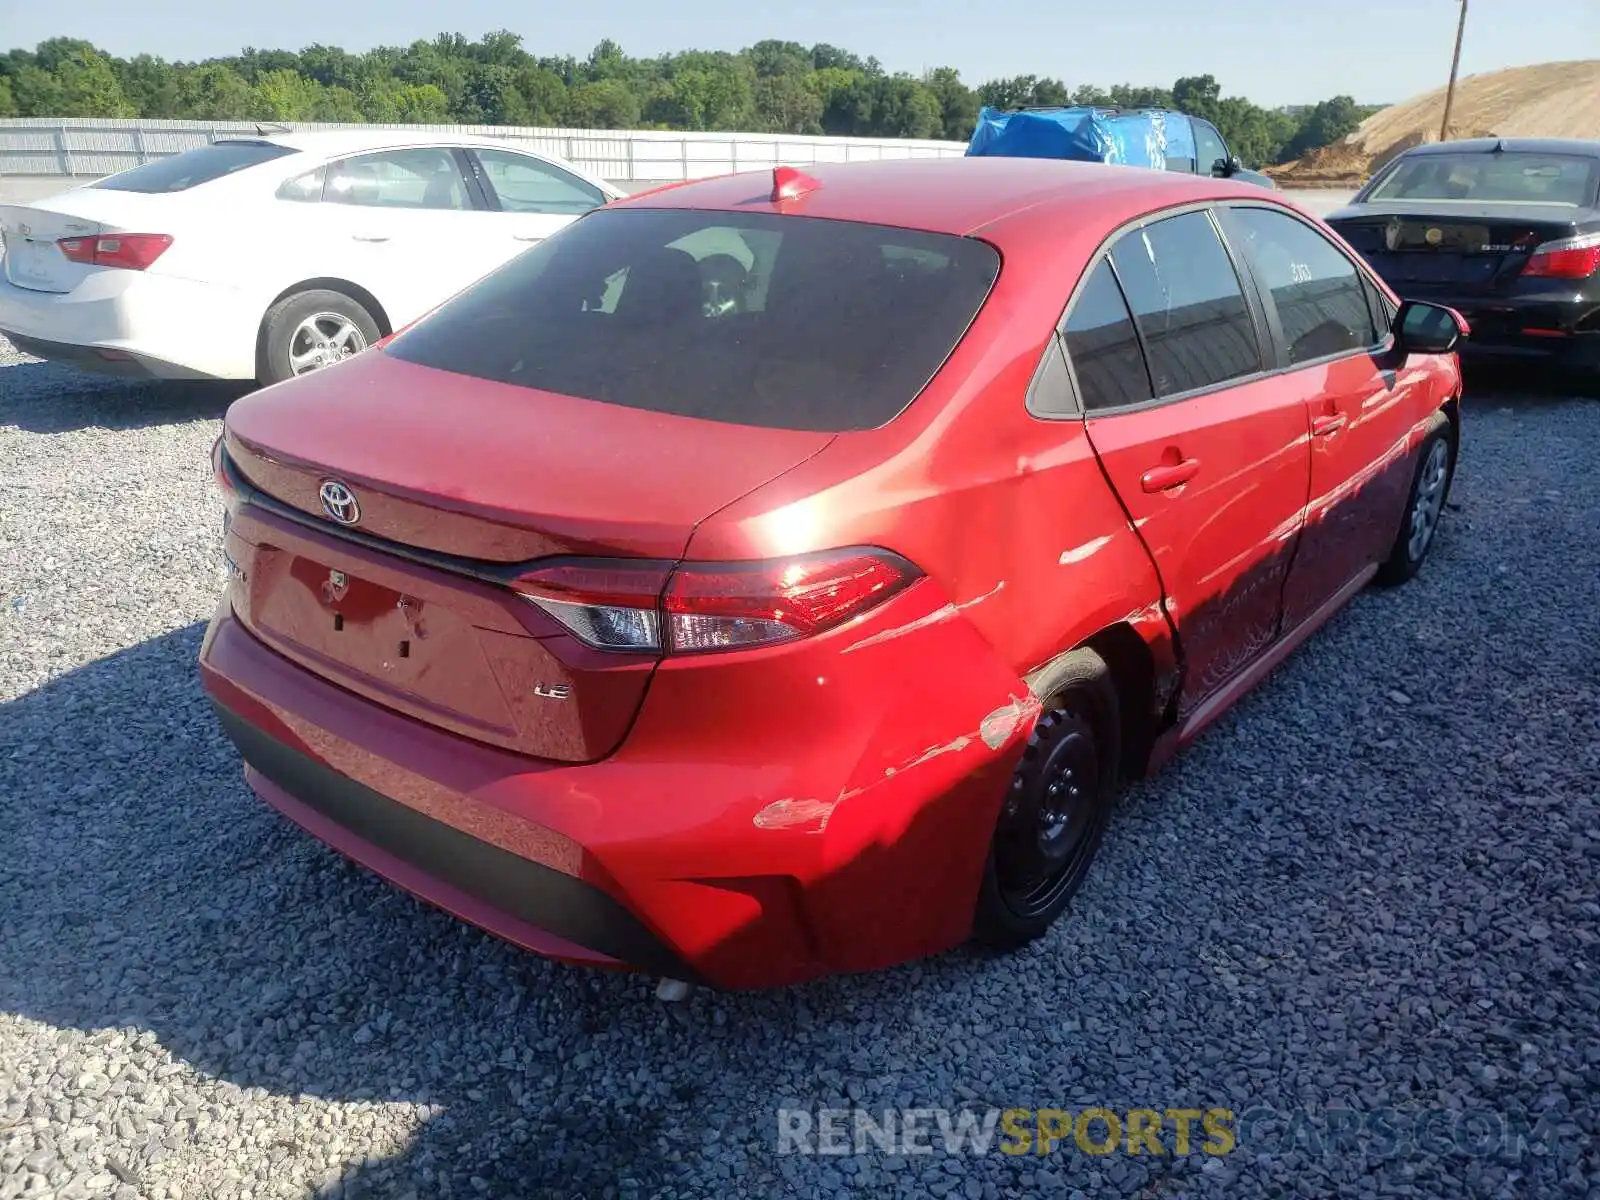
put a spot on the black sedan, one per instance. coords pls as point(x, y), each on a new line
point(1506, 231)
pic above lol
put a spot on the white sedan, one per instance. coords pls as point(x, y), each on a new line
point(266, 257)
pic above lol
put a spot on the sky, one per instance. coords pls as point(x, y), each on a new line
point(1273, 51)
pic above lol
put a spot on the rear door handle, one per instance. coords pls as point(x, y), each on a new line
point(370, 237)
point(1323, 426)
point(1160, 479)
point(528, 237)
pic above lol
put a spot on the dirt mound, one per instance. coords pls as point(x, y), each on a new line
point(1550, 100)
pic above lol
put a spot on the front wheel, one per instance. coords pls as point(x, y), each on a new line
point(1055, 810)
point(1430, 488)
point(310, 330)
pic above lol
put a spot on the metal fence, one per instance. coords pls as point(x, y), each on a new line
point(86, 147)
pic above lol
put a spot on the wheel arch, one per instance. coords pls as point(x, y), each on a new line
point(1133, 667)
point(325, 283)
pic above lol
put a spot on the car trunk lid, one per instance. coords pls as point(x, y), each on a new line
point(33, 232)
point(33, 257)
point(1462, 249)
point(458, 482)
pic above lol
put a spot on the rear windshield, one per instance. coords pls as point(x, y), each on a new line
point(1513, 177)
point(753, 319)
point(193, 167)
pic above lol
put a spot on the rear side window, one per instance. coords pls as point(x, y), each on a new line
point(307, 188)
point(1104, 348)
point(193, 167)
point(524, 184)
point(753, 319)
point(1186, 298)
point(1321, 299)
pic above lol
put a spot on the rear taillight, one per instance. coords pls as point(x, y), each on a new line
point(610, 605)
point(652, 607)
point(230, 503)
point(218, 471)
point(130, 251)
point(1570, 258)
point(220, 476)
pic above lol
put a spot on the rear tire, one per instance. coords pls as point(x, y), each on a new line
point(1056, 808)
point(309, 330)
point(1425, 504)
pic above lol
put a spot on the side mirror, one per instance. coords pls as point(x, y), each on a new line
point(1421, 328)
point(1227, 168)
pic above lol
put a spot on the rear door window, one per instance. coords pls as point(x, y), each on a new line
point(1189, 306)
point(190, 169)
point(1104, 347)
point(426, 177)
point(755, 319)
point(1321, 299)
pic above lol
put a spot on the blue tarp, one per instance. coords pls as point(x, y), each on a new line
point(1143, 139)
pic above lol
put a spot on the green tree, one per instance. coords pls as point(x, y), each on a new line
point(491, 97)
point(1126, 95)
point(1256, 135)
point(780, 58)
point(775, 85)
point(79, 81)
point(150, 86)
point(1051, 92)
point(825, 57)
point(1325, 124)
point(902, 107)
point(36, 92)
point(605, 104)
point(214, 92)
point(283, 95)
point(1016, 92)
point(958, 104)
point(785, 104)
point(543, 94)
point(421, 104)
point(1198, 95)
point(607, 61)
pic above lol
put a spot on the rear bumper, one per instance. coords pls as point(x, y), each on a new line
point(135, 323)
point(527, 902)
point(103, 360)
point(744, 845)
point(1555, 329)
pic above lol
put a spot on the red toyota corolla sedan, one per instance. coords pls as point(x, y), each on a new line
point(775, 575)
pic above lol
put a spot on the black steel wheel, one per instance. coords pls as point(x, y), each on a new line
point(1055, 810)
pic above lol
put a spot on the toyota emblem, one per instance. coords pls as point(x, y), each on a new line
point(339, 502)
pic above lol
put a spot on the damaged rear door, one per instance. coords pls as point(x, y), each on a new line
point(1206, 451)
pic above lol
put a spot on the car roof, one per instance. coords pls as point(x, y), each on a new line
point(952, 195)
point(1510, 145)
point(352, 141)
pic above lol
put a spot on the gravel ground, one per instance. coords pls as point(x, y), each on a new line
point(1373, 886)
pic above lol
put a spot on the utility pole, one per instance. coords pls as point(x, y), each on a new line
point(1455, 68)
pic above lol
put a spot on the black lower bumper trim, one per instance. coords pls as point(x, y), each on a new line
point(89, 358)
point(531, 892)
